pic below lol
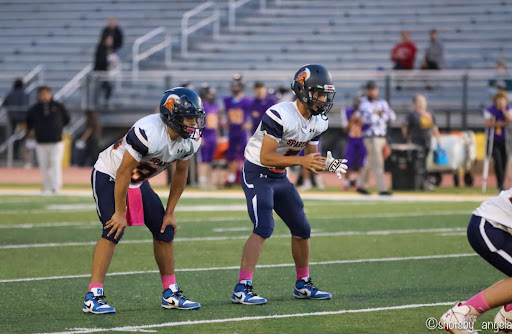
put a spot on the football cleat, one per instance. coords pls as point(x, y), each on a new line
point(503, 321)
point(460, 319)
point(304, 289)
point(244, 294)
point(174, 298)
point(95, 303)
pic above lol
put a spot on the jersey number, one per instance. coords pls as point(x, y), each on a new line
point(142, 172)
point(236, 116)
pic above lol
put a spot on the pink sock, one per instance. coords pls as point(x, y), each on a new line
point(95, 285)
point(508, 307)
point(168, 280)
point(302, 272)
point(478, 302)
point(245, 275)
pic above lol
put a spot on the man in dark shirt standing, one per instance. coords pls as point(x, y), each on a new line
point(46, 120)
point(113, 30)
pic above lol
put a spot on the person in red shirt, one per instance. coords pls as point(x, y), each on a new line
point(404, 53)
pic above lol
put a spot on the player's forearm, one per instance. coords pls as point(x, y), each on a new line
point(178, 184)
point(123, 177)
point(276, 160)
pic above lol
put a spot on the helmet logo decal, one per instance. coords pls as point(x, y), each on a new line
point(171, 100)
point(303, 76)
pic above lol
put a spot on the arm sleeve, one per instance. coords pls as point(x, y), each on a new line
point(137, 143)
point(30, 119)
point(272, 125)
point(487, 114)
point(390, 113)
point(65, 115)
point(315, 140)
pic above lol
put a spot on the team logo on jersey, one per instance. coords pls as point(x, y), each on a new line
point(171, 100)
point(303, 76)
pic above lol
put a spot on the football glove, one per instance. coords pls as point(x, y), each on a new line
point(337, 166)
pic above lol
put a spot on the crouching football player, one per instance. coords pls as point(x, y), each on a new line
point(124, 197)
point(284, 131)
point(490, 235)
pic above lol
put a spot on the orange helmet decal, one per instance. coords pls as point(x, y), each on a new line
point(171, 100)
point(303, 76)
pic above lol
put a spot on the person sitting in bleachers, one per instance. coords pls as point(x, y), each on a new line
point(404, 53)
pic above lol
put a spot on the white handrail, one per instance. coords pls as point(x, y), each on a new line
point(186, 30)
point(72, 85)
point(138, 57)
point(234, 4)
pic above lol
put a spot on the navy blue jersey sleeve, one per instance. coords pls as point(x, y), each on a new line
point(272, 124)
point(138, 140)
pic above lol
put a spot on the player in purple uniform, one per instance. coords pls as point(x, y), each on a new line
point(237, 108)
point(499, 115)
point(355, 151)
point(209, 142)
point(261, 102)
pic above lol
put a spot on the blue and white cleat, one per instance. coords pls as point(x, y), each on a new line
point(244, 294)
point(304, 289)
point(173, 298)
point(95, 303)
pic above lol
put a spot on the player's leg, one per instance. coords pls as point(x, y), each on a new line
point(163, 249)
point(495, 246)
point(43, 159)
point(364, 176)
point(205, 166)
point(350, 154)
point(231, 155)
point(289, 206)
point(378, 165)
point(103, 192)
point(259, 196)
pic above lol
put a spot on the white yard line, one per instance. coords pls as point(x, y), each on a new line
point(325, 196)
point(279, 265)
point(141, 328)
point(244, 218)
point(241, 237)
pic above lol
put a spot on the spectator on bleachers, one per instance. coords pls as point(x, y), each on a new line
point(498, 116)
point(209, 142)
point(16, 102)
point(113, 30)
point(418, 129)
point(237, 109)
point(45, 121)
point(87, 145)
point(434, 54)
point(261, 102)
point(105, 60)
point(404, 53)
point(376, 115)
point(502, 81)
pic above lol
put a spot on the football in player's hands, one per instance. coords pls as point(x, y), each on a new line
point(337, 166)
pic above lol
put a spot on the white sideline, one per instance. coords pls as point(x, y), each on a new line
point(241, 237)
point(217, 321)
point(278, 265)
point(226, 219)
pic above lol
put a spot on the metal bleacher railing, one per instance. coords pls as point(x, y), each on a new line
point(165, 45)
point(186, 30)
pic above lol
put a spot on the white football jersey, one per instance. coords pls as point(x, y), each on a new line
point(151, 145)
point(497, 209)
point(284, 123)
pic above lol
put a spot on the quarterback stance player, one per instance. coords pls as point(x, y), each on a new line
point(124, 197)
point(490, 235)
point(285, 130)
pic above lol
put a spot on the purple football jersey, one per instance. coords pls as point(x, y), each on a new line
point(258, 108)
point(238, 112)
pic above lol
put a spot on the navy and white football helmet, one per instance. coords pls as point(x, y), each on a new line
point(180, 103)
point(310, 79)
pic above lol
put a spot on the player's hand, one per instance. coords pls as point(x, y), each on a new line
point(117, 224)
point(337, 166)
point(169, 219)
point(313, 162)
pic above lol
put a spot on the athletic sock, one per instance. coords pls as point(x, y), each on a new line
point(478, 302)
point(245, 275)
point(302, 273)
point(167, 280)
point(93, 285)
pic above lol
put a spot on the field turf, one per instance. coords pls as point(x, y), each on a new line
point(390, 265)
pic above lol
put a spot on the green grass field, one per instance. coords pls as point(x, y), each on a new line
point(379, 259)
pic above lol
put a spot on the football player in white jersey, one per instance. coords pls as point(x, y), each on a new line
point(490, 235)
point(285, 130)
point(124, 197)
